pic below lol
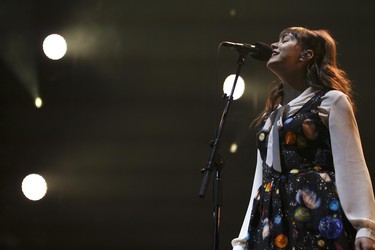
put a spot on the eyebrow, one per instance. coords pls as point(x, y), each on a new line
point(285, 35)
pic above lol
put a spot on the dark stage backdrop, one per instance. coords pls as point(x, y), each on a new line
point(129, 111)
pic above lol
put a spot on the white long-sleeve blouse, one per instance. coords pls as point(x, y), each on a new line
point(352, 177)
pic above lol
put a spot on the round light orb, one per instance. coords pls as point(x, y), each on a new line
point(54, 46)
point(233, 148)
point(228, 85)
point(38, 102)
point(34, 187)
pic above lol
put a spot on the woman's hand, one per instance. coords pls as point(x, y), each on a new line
point(364, 243)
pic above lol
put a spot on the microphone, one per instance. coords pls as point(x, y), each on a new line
point(259, 51)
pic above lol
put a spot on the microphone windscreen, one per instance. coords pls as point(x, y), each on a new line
point(263, 52)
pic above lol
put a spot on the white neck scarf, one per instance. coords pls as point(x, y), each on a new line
point(274, 123)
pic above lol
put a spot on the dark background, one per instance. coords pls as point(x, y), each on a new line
point(129, 111)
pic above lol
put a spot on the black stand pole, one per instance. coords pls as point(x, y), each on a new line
point(216, 162)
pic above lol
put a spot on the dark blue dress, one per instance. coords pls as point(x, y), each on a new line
point(299, 208)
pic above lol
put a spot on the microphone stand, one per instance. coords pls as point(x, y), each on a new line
point(216, 162)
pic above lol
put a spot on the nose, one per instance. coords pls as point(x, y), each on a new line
point(274, 45)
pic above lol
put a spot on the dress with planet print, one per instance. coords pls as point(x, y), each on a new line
point(299, 208)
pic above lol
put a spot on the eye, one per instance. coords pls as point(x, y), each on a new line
point(286, 38)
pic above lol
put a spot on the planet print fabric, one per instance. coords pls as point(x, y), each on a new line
point(299, 208)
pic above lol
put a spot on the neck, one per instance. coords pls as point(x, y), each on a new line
point(291, 92)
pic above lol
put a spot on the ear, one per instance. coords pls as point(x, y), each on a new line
point(306, 55)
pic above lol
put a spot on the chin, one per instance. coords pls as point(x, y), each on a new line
point(270, 63)
point(272, 66)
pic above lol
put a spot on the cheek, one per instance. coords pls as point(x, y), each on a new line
point(291, 56)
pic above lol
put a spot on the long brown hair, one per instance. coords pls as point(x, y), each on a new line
point(322, 72)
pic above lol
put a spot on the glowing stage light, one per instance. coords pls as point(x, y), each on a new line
point(232, 12)
point(228, 85)
point(233, 148)
point(34, 187)
point(54, 46)
point(38, 102)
